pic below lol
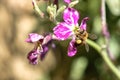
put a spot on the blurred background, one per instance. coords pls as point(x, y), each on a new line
point(18, 19)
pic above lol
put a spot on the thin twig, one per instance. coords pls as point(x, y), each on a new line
point(35, 6)
point(105, 28)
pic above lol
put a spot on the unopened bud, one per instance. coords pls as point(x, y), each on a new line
point(72, 4)
point(52, 11)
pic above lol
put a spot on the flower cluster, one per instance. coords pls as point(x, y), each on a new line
point(41, 46)
point(68, 29)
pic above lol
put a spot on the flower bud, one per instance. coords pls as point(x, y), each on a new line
point(52, 11)
point(72, 4)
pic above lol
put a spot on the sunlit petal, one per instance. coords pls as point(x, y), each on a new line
point(34, 37)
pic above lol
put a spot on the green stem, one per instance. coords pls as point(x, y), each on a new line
point(105, 57)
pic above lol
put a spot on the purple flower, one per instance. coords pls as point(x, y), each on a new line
point(69, 27)
point(41, 47)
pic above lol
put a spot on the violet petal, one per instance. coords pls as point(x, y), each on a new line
point(62, 31)
point(32, 57)
point(45, 50)
point(71, 16)
point(72, 49)
point(47, 39)
point(83, 25)
point(33, 37)
point(67, 1)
